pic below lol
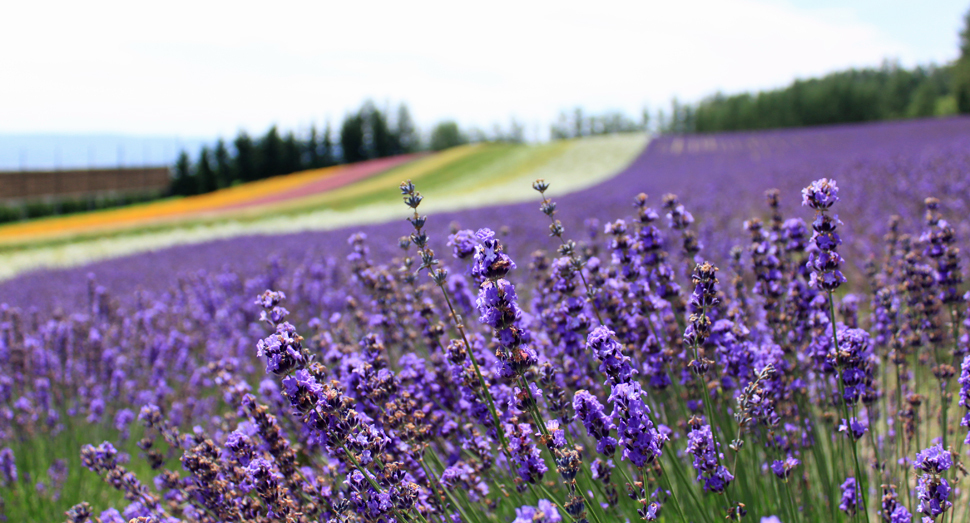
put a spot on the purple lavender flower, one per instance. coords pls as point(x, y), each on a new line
point(240, 446)
point(613, 363)
point(499, 309)
point(104, 457)
point(303, 390)
point(933, 490)
point(893, 511)
point(964, 381)
point(820, 194)
point(853, 428)
point(490, 261)
point(856, 359)
point(80, 513)
point(824, 263)
point(933, 460)
point(283, 350)
point(498, 304)
point(272, 312)
point(598, 425)
point(112, 516)
point(677, 216)
point(545, 512)
point(8, 467)
point(525, 453)
point(783, 468)
point(933, 494)
point(642, 442)
point(939, 246)
point(464, 243)
point(702, 299)
point(122, 420)
point(795, 234)
point(900, 515)
point(849, 496)
point(700, 444)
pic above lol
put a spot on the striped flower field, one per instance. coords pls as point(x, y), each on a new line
point(472, 176)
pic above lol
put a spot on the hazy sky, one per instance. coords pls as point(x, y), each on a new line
point(205, 69)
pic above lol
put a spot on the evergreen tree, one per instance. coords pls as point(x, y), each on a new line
point(224, 175)
point(247, 158)
point(184, 183)
point(352, 138)
point(328, 156)
point(291, 160)
point(313, 149)
point(205, 176)
point(407, 134)
point(379, 142)
point(446, 134)
point(271, 154)
point(961, 69)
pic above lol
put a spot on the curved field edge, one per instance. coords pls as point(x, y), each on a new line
point(460, 178)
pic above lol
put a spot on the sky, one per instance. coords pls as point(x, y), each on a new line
point(207, 69)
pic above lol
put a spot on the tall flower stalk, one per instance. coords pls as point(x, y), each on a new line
point(827, 276)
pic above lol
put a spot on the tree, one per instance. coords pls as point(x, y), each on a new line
point(224, 175)
point(407, 134)
point(184, 183)
point(924, 101)
point(446, 134)
point(271, 154)
point(379, 141)
point(561, 130)
point(352, 138)
point(328, 156)
point(313, 149)
point(291, 160)
point(205, 176)
point(247, 158)
point(961, 69)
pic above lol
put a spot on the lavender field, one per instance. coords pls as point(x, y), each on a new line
point(764, 327)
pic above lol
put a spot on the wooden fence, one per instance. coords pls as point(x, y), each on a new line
point(48, 185)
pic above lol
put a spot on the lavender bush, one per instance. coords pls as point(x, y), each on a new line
point(691, 360)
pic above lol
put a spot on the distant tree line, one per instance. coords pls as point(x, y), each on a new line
point(365, 134)
point(858, 95)
point(888, 92)
point(576, 124)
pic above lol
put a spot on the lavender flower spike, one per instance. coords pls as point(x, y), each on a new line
point(824, 263)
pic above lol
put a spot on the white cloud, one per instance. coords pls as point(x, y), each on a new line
point(201, 69)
